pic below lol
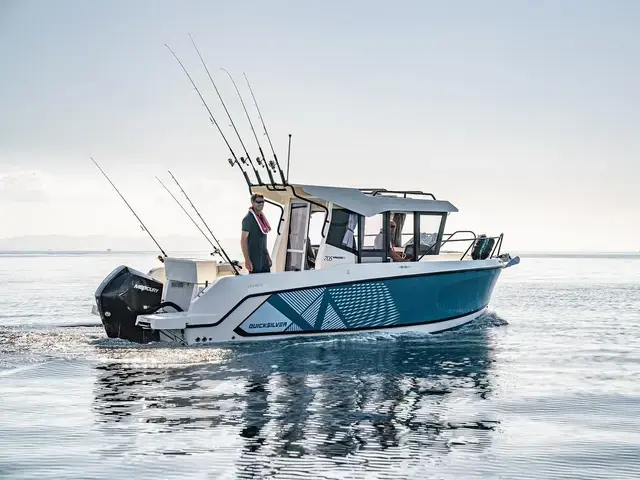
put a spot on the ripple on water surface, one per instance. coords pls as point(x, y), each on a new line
point(551, 394)
point(370, 406)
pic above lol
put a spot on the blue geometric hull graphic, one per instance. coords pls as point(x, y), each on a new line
point(389, 303)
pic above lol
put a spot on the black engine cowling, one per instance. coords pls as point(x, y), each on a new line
point(123, 295)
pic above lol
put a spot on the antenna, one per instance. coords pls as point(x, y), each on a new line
point(260, 161)
point(227, 111)
point(132, 211)
point(233, 265)
point(255, 102)
point(213, 120)
point(215, 249)
point(288, 157)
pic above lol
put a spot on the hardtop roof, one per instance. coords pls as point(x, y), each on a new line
point(355, 200)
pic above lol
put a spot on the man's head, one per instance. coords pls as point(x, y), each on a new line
point(257, 202)
point(392, 227)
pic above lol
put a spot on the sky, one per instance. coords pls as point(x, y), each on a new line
point(524, 115)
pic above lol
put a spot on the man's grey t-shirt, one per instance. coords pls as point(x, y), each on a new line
point(256, 243)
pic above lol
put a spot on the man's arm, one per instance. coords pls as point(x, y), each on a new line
point(244, 245)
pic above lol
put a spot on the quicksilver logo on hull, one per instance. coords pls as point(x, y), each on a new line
point(269, 325)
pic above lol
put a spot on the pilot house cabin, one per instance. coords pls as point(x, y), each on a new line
point(323, 226)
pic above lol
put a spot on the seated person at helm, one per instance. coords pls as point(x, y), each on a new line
point(377, 243)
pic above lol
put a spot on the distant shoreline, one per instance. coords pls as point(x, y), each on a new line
point(524, 254)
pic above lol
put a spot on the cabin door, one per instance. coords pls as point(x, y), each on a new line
point(297, 237)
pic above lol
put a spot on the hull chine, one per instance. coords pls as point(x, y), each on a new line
point(428, 326)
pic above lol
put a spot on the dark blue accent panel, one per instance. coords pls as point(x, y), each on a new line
point(278, 302)
point(322, 311)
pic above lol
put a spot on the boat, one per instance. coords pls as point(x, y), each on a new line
point(337, 267)
point(341, 283)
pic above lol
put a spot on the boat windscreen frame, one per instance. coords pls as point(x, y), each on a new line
point(386, 236)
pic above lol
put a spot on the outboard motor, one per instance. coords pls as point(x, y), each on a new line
point(121, 297)
point(482, 248)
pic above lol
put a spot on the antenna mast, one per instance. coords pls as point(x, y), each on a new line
point(289, 157)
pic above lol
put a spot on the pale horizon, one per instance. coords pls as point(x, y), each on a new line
point(178, 244)
point(524, 117)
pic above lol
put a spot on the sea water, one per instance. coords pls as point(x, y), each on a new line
point(546, 385)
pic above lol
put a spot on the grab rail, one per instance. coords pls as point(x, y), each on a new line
point(449, 239)
point(376, 191)
point(450, 236)
point(494, 252)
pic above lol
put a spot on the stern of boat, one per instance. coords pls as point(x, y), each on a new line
point(151, 307)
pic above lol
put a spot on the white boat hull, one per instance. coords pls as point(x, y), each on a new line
point(204, 334)
point(426, 297)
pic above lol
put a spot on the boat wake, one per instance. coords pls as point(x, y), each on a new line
point(33, 344)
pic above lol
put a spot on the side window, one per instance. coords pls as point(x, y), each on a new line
point(402, 235)
point(343, 230)
point(429, 228)
point(373, 233)
point(296, 239)
point(373, 249)
point(315, 227)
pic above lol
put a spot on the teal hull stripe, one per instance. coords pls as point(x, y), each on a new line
point(395, 302)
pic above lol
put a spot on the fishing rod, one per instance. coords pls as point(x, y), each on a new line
point(215, 249)
point(142, 225)
point(227, 111)
point(255, 102)
point(234, 160)
point(220, 249)
point(262, 160)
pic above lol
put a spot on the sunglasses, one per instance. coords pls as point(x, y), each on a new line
point(258, 201)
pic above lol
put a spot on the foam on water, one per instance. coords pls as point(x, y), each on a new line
point(544, 386)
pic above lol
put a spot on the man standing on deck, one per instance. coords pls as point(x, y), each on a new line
point(253, 239)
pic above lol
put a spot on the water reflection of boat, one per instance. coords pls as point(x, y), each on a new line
point(403, 400)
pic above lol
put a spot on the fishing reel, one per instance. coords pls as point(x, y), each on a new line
point(259, 161)
point(272, 164)
point(232, 162)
